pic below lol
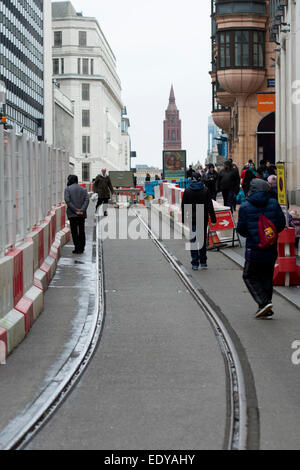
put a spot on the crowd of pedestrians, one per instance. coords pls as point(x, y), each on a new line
point(260, 220)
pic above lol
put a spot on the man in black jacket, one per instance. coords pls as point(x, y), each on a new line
point(229, 184)
point(195, 196)
point(77, 200)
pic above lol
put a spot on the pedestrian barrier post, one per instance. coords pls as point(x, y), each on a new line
point(286, 273)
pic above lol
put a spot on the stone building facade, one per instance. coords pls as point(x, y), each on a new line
point(243, 78)
point(84, 65)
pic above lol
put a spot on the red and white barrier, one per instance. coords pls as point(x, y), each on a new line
point(25, 273)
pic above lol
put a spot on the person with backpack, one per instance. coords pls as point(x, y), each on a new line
point(260, 221)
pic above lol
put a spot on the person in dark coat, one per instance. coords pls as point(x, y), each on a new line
point(260, 262)
point(195, 196)
point(211, 181)
point(104, 189)
point(77, 200)
point(229, 184)
point(190, 172)
point(265, 169)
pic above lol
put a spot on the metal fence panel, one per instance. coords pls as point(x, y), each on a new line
point(32, 181)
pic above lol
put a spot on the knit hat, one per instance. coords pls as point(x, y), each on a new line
point(272, 180)
point(257, 185)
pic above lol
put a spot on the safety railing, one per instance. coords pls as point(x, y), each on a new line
point(32, 181)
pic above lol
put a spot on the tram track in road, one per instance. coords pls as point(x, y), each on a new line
point(22, 430)
point(240, 426)
point(242, 430)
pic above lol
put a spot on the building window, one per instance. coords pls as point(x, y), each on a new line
point(92, 66)
point(79, 66)
point(241, 48)
point(82, 39)
point(57, 38)
point(85, 66)
point(85, 92)
point(241, 45)
point(258, 49)
point(86, 144)
point(85, 172)
point(62, 66)
point(55, 66)
point(85, 118)
point(224, 49)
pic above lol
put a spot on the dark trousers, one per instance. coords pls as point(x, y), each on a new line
point(78, 232)
point(102, 201)
point(258, 278)
point(228, 197)
point(199, 255)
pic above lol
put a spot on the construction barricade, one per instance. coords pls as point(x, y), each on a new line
point(287, 273)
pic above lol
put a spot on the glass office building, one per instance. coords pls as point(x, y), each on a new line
point(22, 63)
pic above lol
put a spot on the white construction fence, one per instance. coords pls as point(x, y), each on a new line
point(32, 181)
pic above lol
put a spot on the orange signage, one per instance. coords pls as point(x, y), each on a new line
point(266, 102)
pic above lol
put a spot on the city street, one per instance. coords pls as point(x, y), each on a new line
point(157, 379)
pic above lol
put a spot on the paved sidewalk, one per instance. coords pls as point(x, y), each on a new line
point(291, 294)
point(53, 336)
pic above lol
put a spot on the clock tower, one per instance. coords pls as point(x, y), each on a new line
point(172, 125)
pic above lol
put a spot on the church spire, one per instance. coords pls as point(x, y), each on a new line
point(172, 125)
point(172, 102)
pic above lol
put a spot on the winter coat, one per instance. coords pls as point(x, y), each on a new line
point(259, 203)
point(103, 187)
point(195, 194)
point(248, 177)
point(77, 199)
point(211, 182)
point(229, 180)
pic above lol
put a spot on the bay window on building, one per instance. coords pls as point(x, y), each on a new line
point(241, 48)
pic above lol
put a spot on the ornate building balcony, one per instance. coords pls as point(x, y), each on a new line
point(225, 99)
point(222, 119)
point(241, 81)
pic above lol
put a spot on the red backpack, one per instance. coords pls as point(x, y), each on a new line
point(267, 232)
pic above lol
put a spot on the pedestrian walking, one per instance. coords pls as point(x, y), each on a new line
point(229, 185)
point(190, 172)
point(194, 196)
point(265, 169)
point(77, 200)
point(211, 181)
point(260, 221)
point(104, 189)
point(249, 175)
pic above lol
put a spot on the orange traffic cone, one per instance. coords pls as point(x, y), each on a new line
point(214, 241)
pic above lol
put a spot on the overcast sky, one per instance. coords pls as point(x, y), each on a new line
point(157, 43)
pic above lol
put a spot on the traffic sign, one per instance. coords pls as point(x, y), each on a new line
point(224, 222)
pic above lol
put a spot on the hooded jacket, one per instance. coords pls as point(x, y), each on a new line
point(259, 202)
point(195, 194)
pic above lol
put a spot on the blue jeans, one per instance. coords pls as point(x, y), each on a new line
point(199, 255)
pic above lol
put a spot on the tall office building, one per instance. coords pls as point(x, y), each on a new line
point(22, 62)
point(84, 66)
